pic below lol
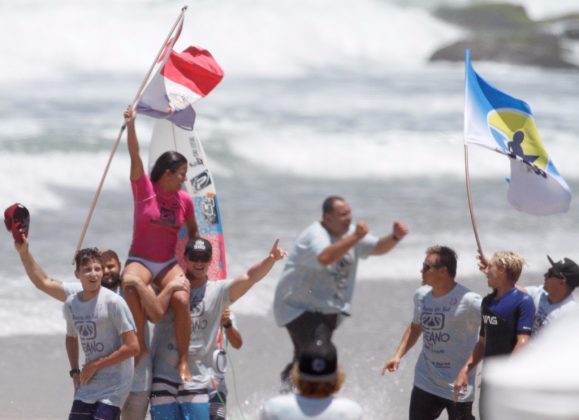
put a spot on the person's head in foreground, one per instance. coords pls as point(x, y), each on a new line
point(316, 373)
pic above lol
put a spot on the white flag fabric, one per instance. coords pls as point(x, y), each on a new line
point(180, 80)
point(497, 121)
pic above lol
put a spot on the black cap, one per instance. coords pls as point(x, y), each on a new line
point(568, 269)
point(199, 246)
point(318, 362)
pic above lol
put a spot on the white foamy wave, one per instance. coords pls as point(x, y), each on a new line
point(32, 317)
point(25, 310)
point(38, 180)
point(55, 40)
point(58, 39)
point(287, 37)
point(393, 154)
point(541, 9)
point(35, 179)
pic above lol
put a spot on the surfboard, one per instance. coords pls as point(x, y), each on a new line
point(199, 185)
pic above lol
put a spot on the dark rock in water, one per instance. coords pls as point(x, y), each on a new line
point(571, 33)
point(487, 17)
point(504, 33)
point(535, 49)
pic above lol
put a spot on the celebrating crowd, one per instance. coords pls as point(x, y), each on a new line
point(175, 369)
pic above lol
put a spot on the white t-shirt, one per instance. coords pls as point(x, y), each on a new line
point(450, 326)
point(142, 378)
point(99, 323)
point(307, 285)
point(297, 407)
point(206, 322)
point(546, 312)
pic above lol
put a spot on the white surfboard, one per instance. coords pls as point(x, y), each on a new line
point(199, 186)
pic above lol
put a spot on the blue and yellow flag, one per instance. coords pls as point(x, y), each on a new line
point(497, 121)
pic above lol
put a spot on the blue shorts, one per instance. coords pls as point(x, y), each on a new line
point(171, 401)
point(93, 411)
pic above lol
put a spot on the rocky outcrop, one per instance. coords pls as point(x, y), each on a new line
point(505, 33)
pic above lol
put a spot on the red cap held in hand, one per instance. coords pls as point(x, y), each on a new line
point(17, 220)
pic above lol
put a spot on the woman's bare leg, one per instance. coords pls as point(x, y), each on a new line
point(137, 270)
point(180, 305)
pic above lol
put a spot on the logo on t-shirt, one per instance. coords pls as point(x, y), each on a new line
point(490, 319)
point(168, 215)
point(432, 321)
point(341, 272)
point(197, 309)
point(432, 325)
point(86, 329)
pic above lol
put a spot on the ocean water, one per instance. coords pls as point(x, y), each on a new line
point(319, 98)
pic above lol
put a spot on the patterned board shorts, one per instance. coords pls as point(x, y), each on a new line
point(170, 401)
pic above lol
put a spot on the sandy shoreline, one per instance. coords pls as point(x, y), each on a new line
point(35, 382)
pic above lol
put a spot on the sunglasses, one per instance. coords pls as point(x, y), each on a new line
point(203, 258)
point(552, 273)
point(426, 266)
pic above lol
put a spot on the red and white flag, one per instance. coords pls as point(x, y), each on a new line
point(180, 80)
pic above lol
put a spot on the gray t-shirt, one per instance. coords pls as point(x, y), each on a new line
point(142, 378)
point(450, 326)
point(99, 323)
point(71, 288)
point(307, 285)
point(207, 305)
point(296, 407)
point(546, 312)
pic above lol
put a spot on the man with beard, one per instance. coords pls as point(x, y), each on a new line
point(317, 284)
point(111, 270)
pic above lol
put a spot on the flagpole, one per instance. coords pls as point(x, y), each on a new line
point(470, 206)
point(122, 129)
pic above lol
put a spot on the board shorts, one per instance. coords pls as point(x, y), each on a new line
point(217, 405)
point(154, 267)
point(81, 411)
point(170, 400)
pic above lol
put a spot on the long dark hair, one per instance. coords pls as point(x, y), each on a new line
point(170, 160)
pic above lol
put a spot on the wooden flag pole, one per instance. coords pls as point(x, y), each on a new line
point(470, 206)
point(122, 129)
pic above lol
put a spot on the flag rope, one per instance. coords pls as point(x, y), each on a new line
point(122, 129)
point(470, 206)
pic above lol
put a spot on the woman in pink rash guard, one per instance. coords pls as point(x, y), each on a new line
point(161, 208)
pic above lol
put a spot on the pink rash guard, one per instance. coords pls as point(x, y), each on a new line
point(157, 219)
